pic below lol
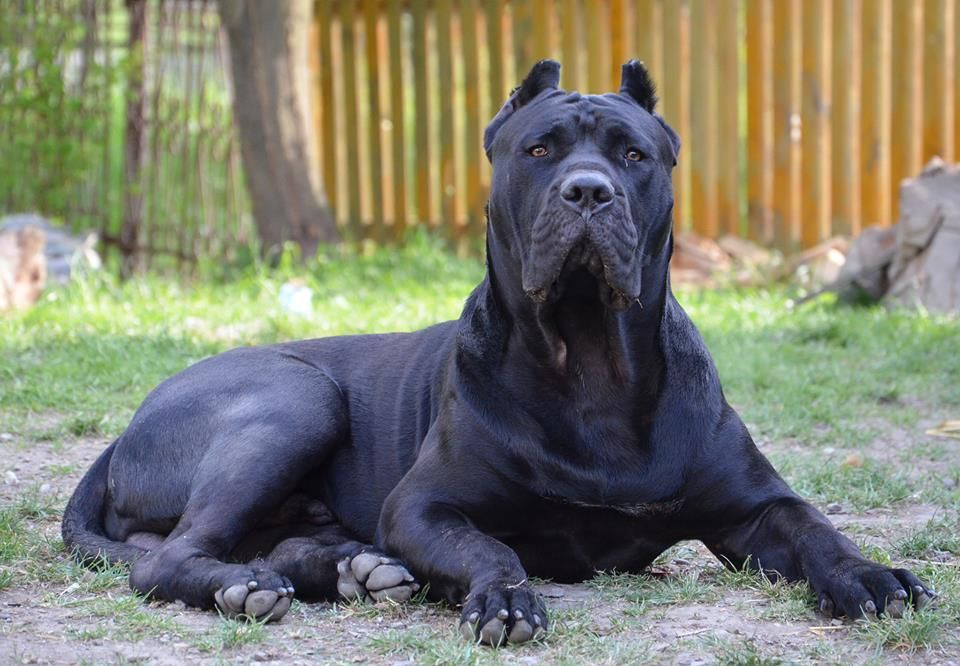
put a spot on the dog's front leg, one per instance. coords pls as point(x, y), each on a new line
point(425, 522)
point(790, 538)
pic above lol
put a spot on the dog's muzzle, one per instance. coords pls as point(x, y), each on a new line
point(584, 227)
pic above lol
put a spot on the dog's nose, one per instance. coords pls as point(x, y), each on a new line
point(586, 190)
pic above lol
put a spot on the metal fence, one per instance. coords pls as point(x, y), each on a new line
point(116, 117)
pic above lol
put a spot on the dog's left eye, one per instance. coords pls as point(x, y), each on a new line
point(633, 155)
point(538, 150)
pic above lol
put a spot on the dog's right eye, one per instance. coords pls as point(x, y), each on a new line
point(538, 150)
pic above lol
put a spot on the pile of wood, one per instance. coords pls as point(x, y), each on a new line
point(915, 263)
point(732, 260)
point(700, 261)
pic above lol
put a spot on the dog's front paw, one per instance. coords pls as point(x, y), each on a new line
point(261, 594)
point(864, 589)
point(375, 577)
point(500, 612)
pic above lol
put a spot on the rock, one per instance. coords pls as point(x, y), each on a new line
point(926, 269)
point(864, 274)
point(915, 263)
point(834, 508)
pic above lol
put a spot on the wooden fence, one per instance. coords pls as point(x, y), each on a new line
point(799, 117)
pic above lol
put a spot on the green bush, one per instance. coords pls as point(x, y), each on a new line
point(58, 94)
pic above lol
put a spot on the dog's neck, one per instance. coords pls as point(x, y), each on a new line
point(574, 334)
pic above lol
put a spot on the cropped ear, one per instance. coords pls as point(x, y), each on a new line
point(672, 135)
point(635, 82)
point(545, 75)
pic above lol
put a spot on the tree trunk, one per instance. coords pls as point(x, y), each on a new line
point(132, 228)
point(269, 61)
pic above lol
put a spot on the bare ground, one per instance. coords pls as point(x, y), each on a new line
point(56, 614)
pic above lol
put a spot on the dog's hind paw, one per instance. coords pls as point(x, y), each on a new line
point(262, 597)
point(374, 577)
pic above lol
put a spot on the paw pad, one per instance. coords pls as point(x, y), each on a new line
point(248, 599)
point(374, 577)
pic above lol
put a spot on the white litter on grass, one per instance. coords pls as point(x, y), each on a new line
point(296, 298)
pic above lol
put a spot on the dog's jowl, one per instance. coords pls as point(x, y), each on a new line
point(570, 421)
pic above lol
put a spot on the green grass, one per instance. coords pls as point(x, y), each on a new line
point(233, 633)
point(837, 397)
point(938, 536)
point(92, 351)
point(649, 592)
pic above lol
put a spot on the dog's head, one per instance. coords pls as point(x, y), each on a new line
point(581, 184)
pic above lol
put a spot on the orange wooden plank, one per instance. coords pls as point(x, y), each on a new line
point(876, 117)
point(374, 148)
point(618, 45)
point(473, 132)
point(570, 44)
point(703, 118)
point(817, 98)
point(421, 111)
point(448, 190)
point(907, 146)
point(956, 80)
point(541, 20)
point(845, 193)
point(523, 44)
point(493, 10)
point(598, 45)
point(397, 124)
point(648, 18)
point(728, 121)
point(760, 120)
point(787, 60)
point(938, 80)
point(351, 114)
point(676, 98)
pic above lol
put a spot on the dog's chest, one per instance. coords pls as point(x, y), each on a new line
point(570, 540)
point(604, 459)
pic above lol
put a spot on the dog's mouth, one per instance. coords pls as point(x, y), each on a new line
point(583, 274)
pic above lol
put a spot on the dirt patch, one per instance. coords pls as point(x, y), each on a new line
point(52, 612)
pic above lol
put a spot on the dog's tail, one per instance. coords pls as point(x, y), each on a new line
point(83, 530)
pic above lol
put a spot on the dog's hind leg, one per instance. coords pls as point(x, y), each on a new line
point(248, 471)
point(304, 542)
point(325, 568)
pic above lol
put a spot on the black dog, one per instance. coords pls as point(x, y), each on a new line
point(570, 421)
